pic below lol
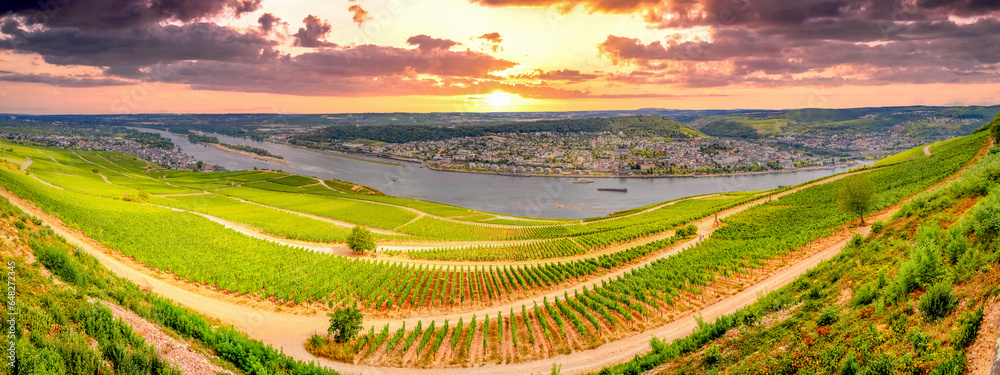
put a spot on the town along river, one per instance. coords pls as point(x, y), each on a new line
point(546, 197)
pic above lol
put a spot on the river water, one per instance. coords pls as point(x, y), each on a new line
point(547, 197)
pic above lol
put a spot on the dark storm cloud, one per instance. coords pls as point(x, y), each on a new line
point(115, 14)
point(156, 44)
point(608, 6)
point(427, 43)
point(62, 81)
point(360, 70)
point(313, 33)
point(946, 53)
point(268, 21)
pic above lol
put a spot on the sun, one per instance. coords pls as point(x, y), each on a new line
point(498, 99)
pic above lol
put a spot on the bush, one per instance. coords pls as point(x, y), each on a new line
point(878, 226)
point(850, 366)
point(59, 262)
point(970, 328)
point(954, 365)
point(712, 355)
point(827, 317)
point(856, 240)
point(937, 302)
point(316, 341)
point(864, 296)
point(881, 365)
point(919, 339)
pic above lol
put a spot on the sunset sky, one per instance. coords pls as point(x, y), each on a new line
point(304, 56)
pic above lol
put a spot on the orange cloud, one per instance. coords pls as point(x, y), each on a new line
point(359, 14)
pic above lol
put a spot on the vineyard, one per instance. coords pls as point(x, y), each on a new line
point(666, 286)
point(619, 281)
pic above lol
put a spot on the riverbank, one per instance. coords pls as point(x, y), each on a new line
point(250, 154)
point(687, 175)
point(341, 155)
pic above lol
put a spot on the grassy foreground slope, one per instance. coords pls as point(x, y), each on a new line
point(910, 298)
point(59, 330)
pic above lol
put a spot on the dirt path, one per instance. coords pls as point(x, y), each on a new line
point(289, 331)
point(983, 354)
point(996, 360)
point(25, 165)
point(116, 165)
point(322, 218)
point(927, 150)
point(188, 361)
point(333, 249)
point(105, 178)
point(90, 162)
point(46, 182)
point(50, 156)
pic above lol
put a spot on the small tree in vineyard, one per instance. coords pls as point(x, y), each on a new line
point(857, 195)
point(361, 240)
point(345, 323)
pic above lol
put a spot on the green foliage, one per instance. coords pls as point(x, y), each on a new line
point(250, 149)
point(643, 126)
point(878, 226)
point(865, 295)
point(937, 302)
point(361, 240)
point(345, 323)
point(965, 335)
point(850, 366)
point(730, 129)
point(953, 365)
point(857, 196)
point(196, 138)
point(59, 261)
point(712, 356)
point(828, 316)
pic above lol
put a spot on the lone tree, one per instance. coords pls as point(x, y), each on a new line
point(345, 323)
point(361, 240)
point(857, 195)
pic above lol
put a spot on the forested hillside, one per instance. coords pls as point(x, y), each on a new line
point(647, 126)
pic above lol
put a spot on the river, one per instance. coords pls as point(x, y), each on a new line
point(547, 197)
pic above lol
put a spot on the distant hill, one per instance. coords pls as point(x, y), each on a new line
point(916, 121)
point(644, 126)
point(731, 129)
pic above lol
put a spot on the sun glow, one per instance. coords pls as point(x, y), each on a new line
point(498, 99)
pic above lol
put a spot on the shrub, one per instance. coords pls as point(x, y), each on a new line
point(856, 240)
point(953, 365)
point(881, 365)
point(919, 339)
point(850, 366)
point(59, 262)
point(970, 328)
point(864, 296)
point(712, 355)
point(316, 341)
point(827, 317)
point(937, 302)
point(878, 226)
